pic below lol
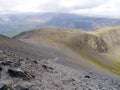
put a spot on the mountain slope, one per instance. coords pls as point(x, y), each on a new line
point(24, 49)
point(18, 73)
point(100, 47)
point(45, 63)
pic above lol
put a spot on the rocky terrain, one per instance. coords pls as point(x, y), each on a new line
point(18, 73)
point(60, 59)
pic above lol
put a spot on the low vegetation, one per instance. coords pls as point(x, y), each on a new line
point(100, 47)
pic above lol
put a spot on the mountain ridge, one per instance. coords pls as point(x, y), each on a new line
point(98, 46)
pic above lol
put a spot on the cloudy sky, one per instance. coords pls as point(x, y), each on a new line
point(85, 7)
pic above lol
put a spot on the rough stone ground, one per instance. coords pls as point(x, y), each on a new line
point(17, 73)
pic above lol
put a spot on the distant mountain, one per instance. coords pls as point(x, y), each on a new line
point(81, 22)
point(13, 24)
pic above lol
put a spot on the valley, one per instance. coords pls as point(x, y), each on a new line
point(13, 24)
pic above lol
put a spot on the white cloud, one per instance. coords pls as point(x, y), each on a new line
point(92, 7)
point(10, 6)
point(111, 8)
point(64, 5)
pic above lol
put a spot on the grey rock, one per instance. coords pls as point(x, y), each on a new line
point(2, 57)
point(86, 76)
point(6, 63)
point(1, 52)
point(47, 68)
point(20, 74)
point(6, 87)
point(10, 87)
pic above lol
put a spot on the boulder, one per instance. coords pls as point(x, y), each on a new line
point(1, 52)
point(6, 63)
point(20, 74)
point(6, 87)
point(87, 76)
point(47, 68)
point(10, 87)
point(2, 57)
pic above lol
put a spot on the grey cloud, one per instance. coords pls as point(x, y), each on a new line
point(61, 5)
point(70, 6)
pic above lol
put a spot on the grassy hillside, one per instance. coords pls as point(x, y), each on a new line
point(100, 47)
